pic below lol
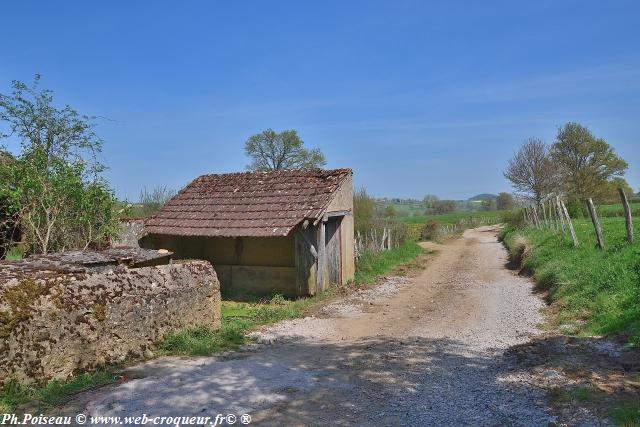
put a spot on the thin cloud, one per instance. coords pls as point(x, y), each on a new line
point(611, 78)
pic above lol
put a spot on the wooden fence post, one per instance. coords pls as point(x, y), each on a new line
point(574, 237)
point(544, 214)
point(559, 212)
point(596, 223)
point(553, 216)
point(627, 214)
point(535, 216)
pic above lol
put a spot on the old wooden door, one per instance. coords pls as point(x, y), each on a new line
point(333, 246)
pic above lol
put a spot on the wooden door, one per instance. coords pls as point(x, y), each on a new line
point(333, 246)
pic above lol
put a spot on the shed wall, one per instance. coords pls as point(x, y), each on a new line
point(343, 201)
point(258, 265)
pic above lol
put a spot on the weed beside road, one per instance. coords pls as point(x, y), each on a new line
point(239, 317)
point(55, 392)
point(592, 291)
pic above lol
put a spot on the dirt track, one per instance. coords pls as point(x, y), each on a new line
point(420, 351)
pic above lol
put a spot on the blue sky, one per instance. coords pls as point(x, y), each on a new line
point(417, 97)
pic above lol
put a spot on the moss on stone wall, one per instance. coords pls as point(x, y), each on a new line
point(20, 299)
point(52, 327)
point(100, 312)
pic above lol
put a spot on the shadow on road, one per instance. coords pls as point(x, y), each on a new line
point(375, 381)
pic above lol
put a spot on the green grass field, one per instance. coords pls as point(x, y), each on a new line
point(456, 217)
point(403, 210)
point(596, 292)
point(617, 209)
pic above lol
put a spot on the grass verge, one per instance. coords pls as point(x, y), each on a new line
point(592, 291)
point(626, 415)
point(371, 265)
point(55, 392)
point(239, 317)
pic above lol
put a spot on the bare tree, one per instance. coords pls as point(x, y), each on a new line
point(531, 170)
point(270, 150)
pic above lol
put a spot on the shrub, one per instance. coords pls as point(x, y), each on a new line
point(513, 218)
point(431, 230)
point(53, 186)
point(577, 209)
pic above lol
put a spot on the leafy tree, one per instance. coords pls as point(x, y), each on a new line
point(389, 211)
point(610, 190)
point(587, 163)
point(430, 202)
point(445, 207)
point(364, 210)
point(8, 221)
point(504, 201)
point(531, 170)
point(53, 186)
point(270, 150)
point(487, 205)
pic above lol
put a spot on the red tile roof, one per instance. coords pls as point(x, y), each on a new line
point(247, 204)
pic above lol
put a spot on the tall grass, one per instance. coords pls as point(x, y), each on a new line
point(152, 200)
point(595, 291)
point(372, 265)
point(54, 393)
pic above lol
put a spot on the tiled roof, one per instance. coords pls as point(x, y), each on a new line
point(247, 204)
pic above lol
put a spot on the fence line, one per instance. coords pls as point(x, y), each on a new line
point(559, 220)
point(378, 236)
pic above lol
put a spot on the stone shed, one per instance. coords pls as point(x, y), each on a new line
point(288, 231)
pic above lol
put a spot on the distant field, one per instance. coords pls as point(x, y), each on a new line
point(455, 217)
point(618, 210)
point(403, 210)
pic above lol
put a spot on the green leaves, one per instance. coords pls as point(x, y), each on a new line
point(53, 187)
point(588, 164)
point(270, 150)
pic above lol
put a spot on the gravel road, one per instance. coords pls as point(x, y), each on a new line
point(421, 351)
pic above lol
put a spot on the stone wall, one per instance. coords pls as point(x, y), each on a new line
point(130, 232)
point(57, 323)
